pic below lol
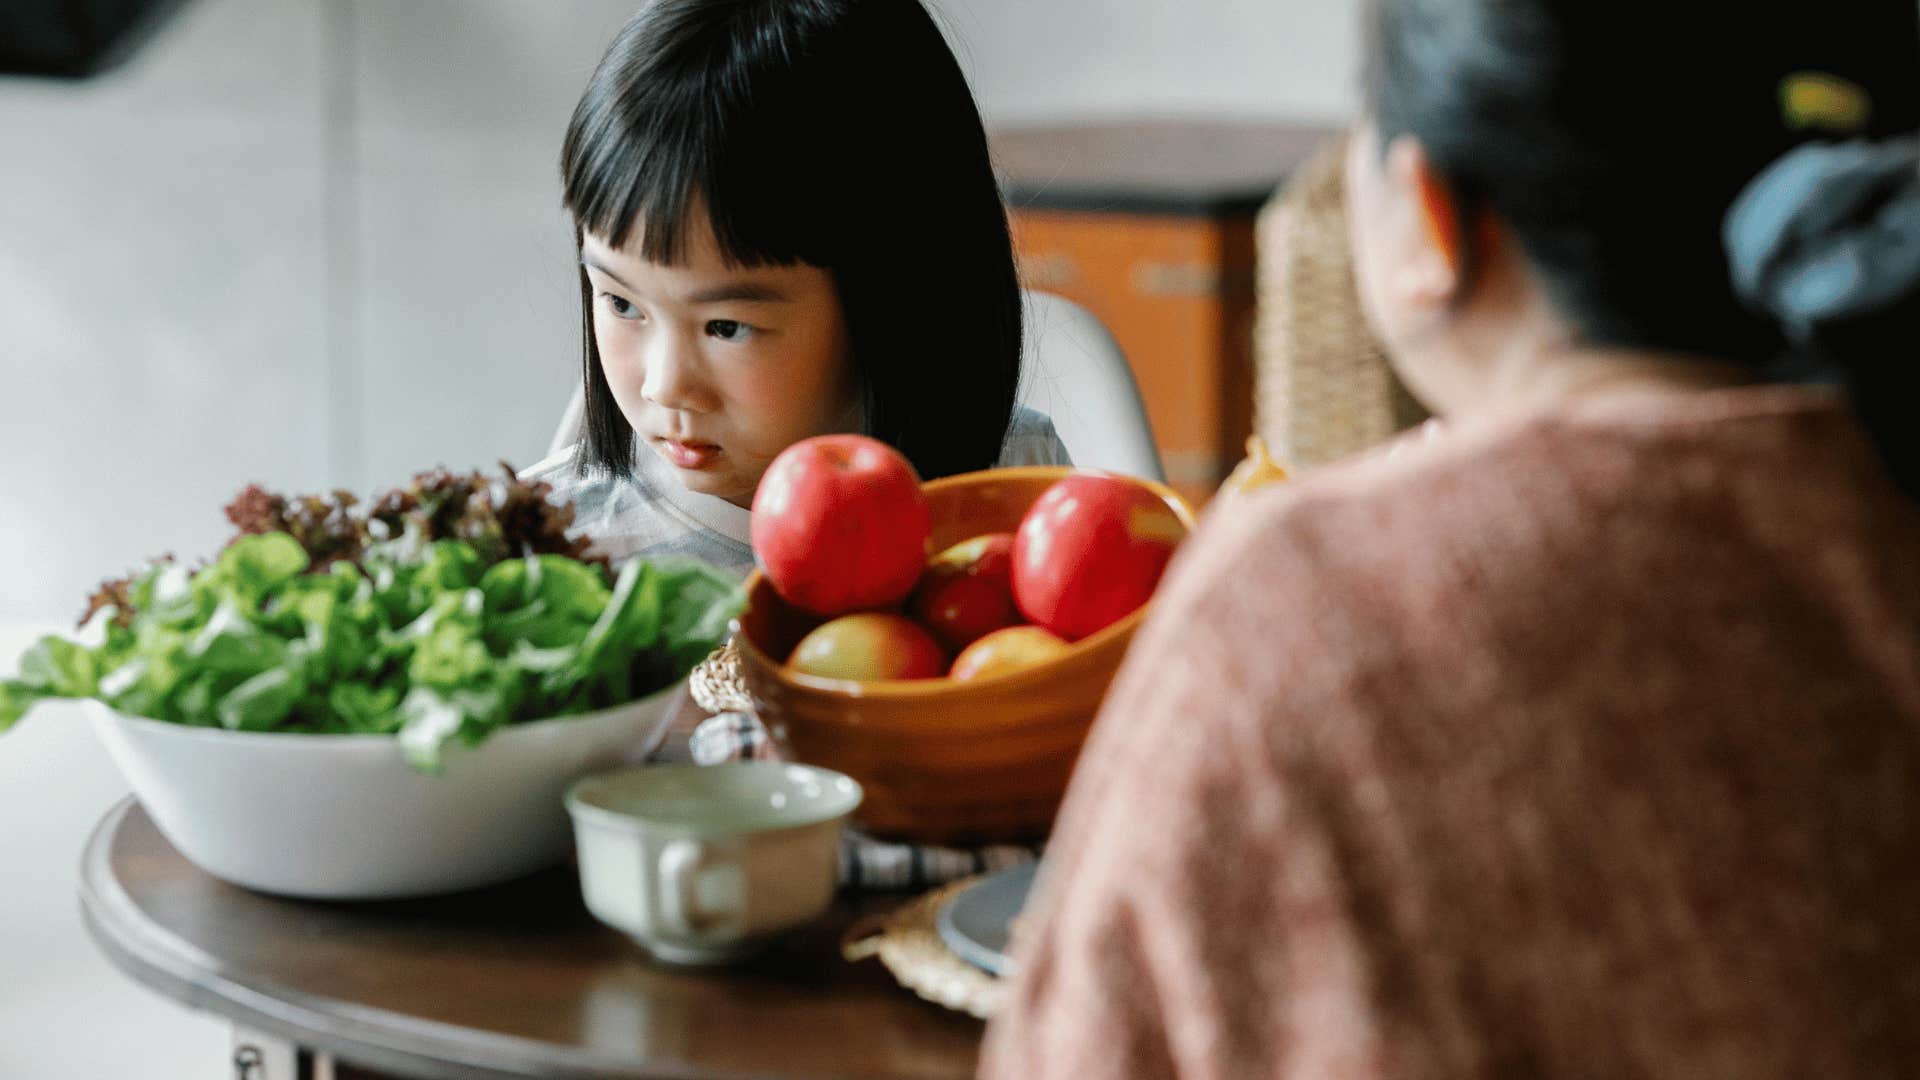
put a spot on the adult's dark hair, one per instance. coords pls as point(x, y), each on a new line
point(835, 133)
point(1613, 137)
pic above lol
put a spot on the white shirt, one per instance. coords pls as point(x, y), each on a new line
point(652, 514)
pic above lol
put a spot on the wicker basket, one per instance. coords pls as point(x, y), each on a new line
point(1323, 386)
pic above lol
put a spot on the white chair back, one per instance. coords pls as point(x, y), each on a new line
point(1075, 372)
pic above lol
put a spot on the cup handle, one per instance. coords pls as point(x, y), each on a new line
point(681, 865)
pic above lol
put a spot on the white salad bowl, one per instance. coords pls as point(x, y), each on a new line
point(342, 817)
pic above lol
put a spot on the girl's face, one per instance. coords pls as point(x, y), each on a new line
point(719, 368)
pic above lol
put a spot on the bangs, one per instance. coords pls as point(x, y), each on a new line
point(656, 140)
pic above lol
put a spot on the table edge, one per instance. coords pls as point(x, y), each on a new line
point(383, 1040)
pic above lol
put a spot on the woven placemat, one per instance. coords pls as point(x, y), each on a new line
point(908, 942)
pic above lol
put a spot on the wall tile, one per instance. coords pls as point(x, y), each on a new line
point(162, 332)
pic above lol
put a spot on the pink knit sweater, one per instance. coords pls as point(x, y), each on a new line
point(1583, 745)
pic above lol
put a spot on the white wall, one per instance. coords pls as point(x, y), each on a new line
point(317, 243)
point(310, 243)
point(1039, 60)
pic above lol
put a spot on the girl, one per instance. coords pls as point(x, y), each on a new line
point(1583, 740)
point(788, 225)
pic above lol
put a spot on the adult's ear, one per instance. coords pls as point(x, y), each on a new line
point(1433, 256)
point(1439, 213)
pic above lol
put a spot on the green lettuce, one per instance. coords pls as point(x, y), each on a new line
point(430, 641)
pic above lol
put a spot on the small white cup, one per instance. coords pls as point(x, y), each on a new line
point(703, 864)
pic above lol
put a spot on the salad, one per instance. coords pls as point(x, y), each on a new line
point(441, 611)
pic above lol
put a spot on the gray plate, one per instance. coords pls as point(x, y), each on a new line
point(975, 924)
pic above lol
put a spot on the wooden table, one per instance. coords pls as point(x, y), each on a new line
point(514, 981)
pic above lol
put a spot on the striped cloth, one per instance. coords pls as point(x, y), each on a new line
point(865, 863)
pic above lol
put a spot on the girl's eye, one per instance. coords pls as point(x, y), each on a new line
point(621, 307)
point(728, 330)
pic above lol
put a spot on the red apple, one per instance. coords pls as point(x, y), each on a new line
point(840, 525)
point(967, 590)
point(1090, 551)
point(1007, 650)
point(869, 647)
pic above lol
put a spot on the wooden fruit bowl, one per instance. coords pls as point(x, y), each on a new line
point(943, 762)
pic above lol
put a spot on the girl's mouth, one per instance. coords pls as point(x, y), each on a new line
point(688, 455)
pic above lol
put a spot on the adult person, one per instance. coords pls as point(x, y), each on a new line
point(1583, 740)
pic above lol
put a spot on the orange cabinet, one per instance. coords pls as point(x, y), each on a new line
point(1151, 227)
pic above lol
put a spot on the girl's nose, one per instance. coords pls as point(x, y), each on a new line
point(674, 379)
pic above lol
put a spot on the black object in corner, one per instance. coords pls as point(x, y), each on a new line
point(74, 38)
